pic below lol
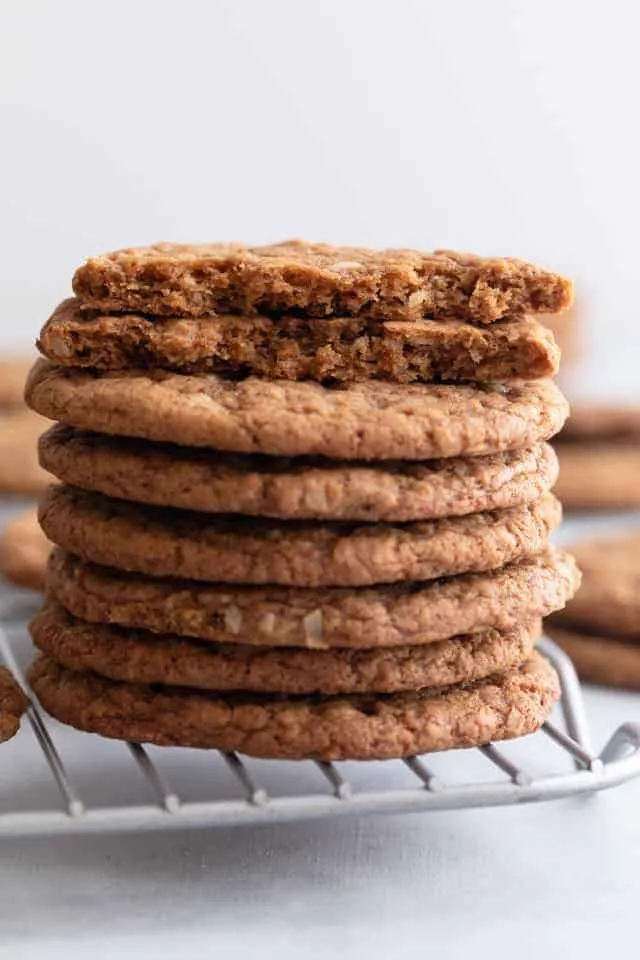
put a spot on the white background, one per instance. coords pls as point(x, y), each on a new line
point(506, 127)
point(500, 127)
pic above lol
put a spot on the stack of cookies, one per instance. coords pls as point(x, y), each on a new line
point(304, 502)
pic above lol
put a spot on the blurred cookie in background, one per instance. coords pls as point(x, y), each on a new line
point(599, 454)
point(24, 551)
point(20, 428)
point(13, 374)
point(20, 471)
point(600, 627)
point(13, 704)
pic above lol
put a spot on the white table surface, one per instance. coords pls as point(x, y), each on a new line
point(543, 880)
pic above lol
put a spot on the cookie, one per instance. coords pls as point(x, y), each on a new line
point(359, 727)
point(13, 704)
point(24, 551)
point(290, 348)
point(596, 421)
point(20, 472)
point(398, 615)
point(316, 280)
point(599, 476)
point(608, 602)
point(212, 482)
point(602, 660)
point(164, 542)
point(599, 453)
point(136, 656)
point(13, 376)
point(363, 421)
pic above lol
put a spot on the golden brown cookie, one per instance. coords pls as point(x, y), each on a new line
point(20, 472)
point(13, 376)
point(598, 659)
point(317, 280)
point(608, 602)
point(600, 421)
point(214, 482)
point(163, 542)
point(24, 551)
point(599, 476)
point(362, 421)
point(361, 727)
point(344, 349)
point(599, 452)
point(398, 615)
point(136, 656)
point(13, 703)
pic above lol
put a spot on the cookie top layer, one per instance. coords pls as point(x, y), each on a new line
point(397, 615)
point(608, 601)
point(318, 280)
point(301, 488)
point(136, 656)
point(362, 727)
point(13, 703)
point(24, 551)
point(290, 348)
point(366, 421)
point(164, 542)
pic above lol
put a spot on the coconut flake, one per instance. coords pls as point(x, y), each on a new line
point(233, 619)
point(313, 627)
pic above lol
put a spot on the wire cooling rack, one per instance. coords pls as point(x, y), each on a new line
point(331, 791)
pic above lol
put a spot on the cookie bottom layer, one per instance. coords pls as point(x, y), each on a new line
point(373, 727)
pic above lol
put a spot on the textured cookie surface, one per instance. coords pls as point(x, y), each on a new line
point(13, 704)
point(320, 489)
point(20, 472)
point(340, 349)
point(598, 659)
point(318, 280)
point(398, 615)
point(24, 551)
point(13, 376)
point(136, 656)
point(599, 475)
point(163, 542)
point(289, 418)
point(608, 602)
point(364, 727)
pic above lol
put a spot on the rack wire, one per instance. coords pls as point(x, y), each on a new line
point(334, 794)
